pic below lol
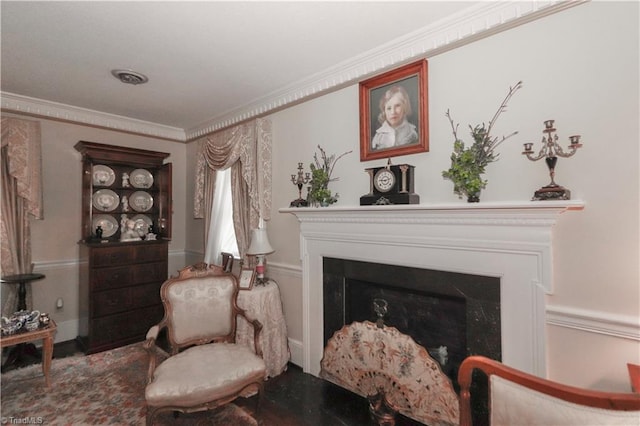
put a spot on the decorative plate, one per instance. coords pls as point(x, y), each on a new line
point(141, 201)
point(108, 223)
point(141, 178)
point(103, 175)
point(143, 222)
point(105, 200)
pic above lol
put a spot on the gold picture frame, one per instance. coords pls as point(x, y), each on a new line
point(246, 279)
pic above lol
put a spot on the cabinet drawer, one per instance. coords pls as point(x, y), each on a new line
point(122, 326)
point(125, 299)
point(148, 272)
point(107, 278)
point(111, 302)
point(110, 256)
point(146, 295)
point(151, 253)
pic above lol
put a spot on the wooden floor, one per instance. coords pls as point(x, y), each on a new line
point(294, 398)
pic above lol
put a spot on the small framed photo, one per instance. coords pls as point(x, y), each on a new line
point(247, 277)
point(394, 119)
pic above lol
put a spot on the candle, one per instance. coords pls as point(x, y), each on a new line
point(575, 139)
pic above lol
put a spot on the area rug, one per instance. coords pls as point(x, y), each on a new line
point(106, 388)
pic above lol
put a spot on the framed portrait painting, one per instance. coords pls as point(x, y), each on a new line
point(394, 119)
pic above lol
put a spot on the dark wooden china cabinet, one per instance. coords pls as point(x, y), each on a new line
point(126, 228)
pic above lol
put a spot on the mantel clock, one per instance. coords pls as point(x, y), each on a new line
point(390, 184)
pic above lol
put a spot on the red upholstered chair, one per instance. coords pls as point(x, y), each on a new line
point(634, 376)
point(518, 398)
point(205, 368)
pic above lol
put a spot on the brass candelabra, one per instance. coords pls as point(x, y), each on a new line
point(300, 179)
point(550, 151)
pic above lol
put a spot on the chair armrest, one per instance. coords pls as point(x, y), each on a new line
point(257, 329)
point(153, 332)
point(151, 348)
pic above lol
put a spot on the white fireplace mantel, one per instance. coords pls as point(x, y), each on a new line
point(509, 240)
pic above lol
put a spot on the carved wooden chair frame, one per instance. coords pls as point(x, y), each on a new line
point(199, 270)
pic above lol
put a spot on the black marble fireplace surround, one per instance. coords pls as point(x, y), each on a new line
point(436, 308)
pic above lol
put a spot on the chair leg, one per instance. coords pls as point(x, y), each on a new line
point(259, 402)
point(150, 415)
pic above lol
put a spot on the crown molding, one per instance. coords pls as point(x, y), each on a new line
point(467, 26)
point(19, 104)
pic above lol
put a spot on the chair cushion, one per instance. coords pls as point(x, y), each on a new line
point(513, 404)
point(203, 374)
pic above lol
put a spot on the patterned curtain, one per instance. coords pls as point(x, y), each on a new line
point(245, 148)
point(21, 200)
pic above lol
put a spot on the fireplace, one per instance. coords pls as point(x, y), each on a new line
point(509, 242)
point(452, 315)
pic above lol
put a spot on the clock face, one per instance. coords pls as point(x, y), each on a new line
point(384, 180)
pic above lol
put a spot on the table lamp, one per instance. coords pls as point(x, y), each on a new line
point(259, 247)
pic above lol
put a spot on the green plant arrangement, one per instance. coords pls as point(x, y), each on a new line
point(321, 171)
point(468, 164)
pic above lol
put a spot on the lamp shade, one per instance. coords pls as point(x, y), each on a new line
point(259, 242)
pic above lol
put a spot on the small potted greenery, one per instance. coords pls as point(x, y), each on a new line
point(468, 164)
point(321, 171)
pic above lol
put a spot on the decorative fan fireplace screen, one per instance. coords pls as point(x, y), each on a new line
point(392, 371)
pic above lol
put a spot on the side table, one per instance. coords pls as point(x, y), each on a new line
point(21, 280)
point(45, 333)
point(18, 353)
point(263, 303)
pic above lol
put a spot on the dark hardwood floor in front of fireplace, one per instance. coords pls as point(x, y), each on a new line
point(294, 398)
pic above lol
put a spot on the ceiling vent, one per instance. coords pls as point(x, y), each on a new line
point(130, 77)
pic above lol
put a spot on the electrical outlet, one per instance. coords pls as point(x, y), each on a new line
point(59, 303)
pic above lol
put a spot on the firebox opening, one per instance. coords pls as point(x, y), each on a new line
point(434, 322)
point(460, 312)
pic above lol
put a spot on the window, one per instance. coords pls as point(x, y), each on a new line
point(222, 235)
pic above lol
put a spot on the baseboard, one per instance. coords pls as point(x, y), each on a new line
point(67, 330)
point(297, 353)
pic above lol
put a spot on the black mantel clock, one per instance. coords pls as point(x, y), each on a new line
point(390, 184)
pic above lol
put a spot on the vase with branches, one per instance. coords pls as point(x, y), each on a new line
point(468, 164)
point(321, 175)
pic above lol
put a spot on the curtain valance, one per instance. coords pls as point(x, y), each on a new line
point(24, 159)
point(250, 144)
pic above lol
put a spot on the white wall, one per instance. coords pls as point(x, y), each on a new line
point(579, 67)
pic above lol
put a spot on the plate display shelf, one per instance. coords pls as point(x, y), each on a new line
point(120, 279)
point(108, 169)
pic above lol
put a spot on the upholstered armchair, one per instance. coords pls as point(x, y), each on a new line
point(516, 397)
point(204, 368)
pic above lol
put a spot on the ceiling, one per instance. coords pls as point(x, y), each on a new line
point(204, 60)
